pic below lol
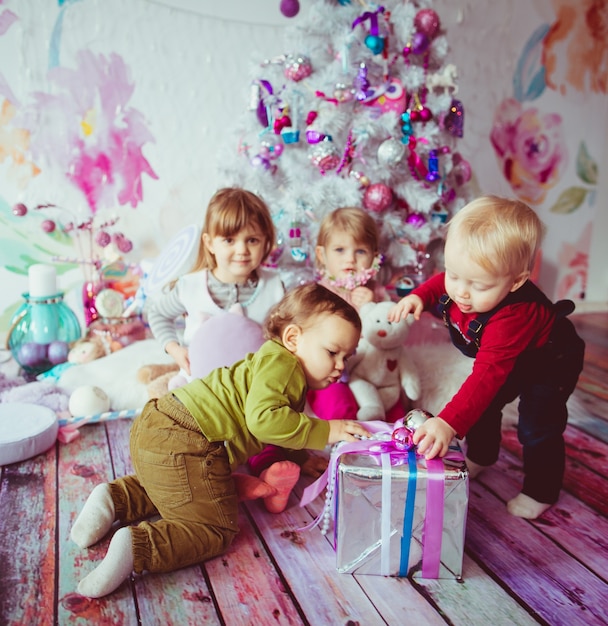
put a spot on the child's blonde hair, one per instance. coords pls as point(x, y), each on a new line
point(230, 210)
point(502, 236)
point(358, 223)
point(303, 303)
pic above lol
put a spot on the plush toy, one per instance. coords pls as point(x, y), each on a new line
point(220, 341)
point(381, 369)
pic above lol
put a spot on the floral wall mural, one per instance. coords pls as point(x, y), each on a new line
point(569, 54)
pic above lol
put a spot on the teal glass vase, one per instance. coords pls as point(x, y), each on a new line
point(41, 332)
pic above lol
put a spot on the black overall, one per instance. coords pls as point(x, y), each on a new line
point(543, 379)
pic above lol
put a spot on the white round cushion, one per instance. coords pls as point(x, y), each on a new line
point(25, 431)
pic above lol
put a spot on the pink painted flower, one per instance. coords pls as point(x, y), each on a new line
point(530, 148)
point(86, 128)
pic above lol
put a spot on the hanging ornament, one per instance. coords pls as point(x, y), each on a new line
point(324, 155)
point(406, 127)
point(427, 22)
point(297, 67)
point(281, 121)
point(361, 83)
point(361, 178)
point(260, 90)
point(420, 43)
point(416, 164)
point(377, 197)
point(454, 120)
point(461, 170)
point(420, 113)
point(416, 220)
point(19, 209)
point(390, 152)
point(433, 173)
point(295, 235)
point(390, 96)
point(342, 93)
point(374, 41)
point(290, 8)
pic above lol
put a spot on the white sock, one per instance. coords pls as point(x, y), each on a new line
point(525, 506)
point(116, 567)
point(95, 519)
point(474, 468)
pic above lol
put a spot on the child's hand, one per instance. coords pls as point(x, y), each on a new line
point(410, 304)
point(361, 295)
point(344, 430)
point(433, 437)
point(179, 354)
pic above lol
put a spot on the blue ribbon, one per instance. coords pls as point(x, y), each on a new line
point(408, 514)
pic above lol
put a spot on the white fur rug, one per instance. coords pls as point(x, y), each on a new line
point(442, 369)
point(116, 374)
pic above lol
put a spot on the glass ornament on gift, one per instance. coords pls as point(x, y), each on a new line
point(43, 327)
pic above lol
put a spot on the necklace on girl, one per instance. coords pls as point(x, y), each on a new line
point(356, 279)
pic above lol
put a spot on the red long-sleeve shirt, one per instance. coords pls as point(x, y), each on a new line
point(511, 330)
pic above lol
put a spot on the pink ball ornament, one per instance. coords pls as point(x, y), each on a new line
point(290, 8)
point(297, 68)
point(19, 210)
point(48, 226)
point(324, 155)
point(377, 197)
point(103, 239)
point(420, 43)
point(427, 22)
point(402, 438)
point(123, 244)
point(417, 220)
point(461, 171)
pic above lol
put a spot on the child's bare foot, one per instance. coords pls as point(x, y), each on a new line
point(525, 506)
point(251, 487)
point(283, 475)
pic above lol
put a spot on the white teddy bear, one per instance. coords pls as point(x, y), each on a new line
point(380, 369)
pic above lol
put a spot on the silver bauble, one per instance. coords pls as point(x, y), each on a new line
point(390, 152)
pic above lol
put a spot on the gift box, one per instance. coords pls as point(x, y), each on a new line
point(396, 514)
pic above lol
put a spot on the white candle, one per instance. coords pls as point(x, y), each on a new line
point(42, 280)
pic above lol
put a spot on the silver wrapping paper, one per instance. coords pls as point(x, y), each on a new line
point(358, 521)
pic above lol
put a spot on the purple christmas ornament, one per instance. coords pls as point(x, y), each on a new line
point(454, 120)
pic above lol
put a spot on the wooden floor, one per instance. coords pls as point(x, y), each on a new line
point(551, 571)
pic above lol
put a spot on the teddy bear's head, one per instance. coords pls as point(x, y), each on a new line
point(378, 331)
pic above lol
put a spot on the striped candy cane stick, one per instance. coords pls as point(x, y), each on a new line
point(68, 427)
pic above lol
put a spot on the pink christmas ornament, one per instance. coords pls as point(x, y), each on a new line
point(461, 171)
point(427, 22)
point(417, 220)
point(377, 197)
point(389, 96)
point(48, 226)
point(324, 155)
point(103, 239)
point(290, 8)
point(297, 68)
point(420, 43)
point(19, 210)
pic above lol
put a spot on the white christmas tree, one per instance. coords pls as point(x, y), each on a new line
point(361, 110)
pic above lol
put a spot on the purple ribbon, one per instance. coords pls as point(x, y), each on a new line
point(372, 16)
